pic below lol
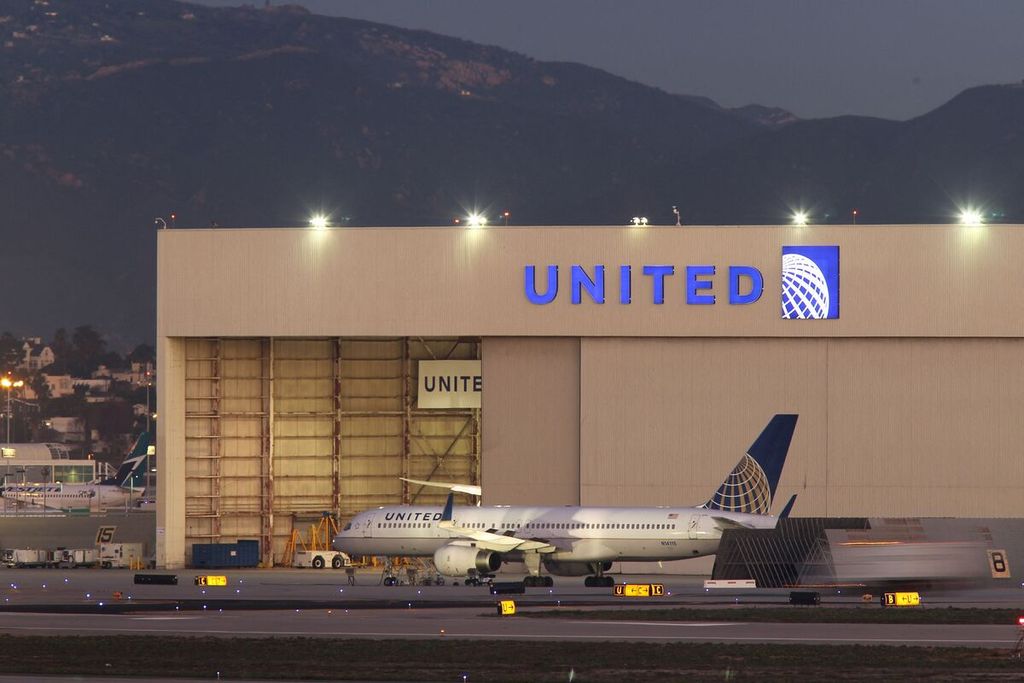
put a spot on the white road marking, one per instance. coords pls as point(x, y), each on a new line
point(666, 623)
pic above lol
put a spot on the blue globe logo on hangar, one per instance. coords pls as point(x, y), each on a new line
point(810, 282)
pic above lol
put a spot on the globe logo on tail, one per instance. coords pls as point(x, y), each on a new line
point(746, 489)
point(810, 283)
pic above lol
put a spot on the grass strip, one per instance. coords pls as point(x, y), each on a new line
point(494, 661)
point(796, 615)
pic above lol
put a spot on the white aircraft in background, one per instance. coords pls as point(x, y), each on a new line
point(122, 489)
point(577, 541)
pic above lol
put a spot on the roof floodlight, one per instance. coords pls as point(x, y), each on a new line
point(318, 221)
point(476, 220)
point(971, 216)
point(800, 218)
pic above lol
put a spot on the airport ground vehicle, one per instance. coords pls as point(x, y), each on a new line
point(318, 559)
point(120, 555)
point(70, 558)
point(25, 557)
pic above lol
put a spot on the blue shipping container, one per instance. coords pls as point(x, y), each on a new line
point(226, 555)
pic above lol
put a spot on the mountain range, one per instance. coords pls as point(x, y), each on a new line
point(114, 112)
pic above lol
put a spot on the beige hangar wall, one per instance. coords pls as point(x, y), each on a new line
point(531, 420)
point(921, 427)
point(909, 402)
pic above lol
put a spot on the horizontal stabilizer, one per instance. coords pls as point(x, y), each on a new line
point(724, 523)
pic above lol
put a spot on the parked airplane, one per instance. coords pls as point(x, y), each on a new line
point(125, 487)
point(577, 541)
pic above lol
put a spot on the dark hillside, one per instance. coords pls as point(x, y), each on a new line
point(113, 112)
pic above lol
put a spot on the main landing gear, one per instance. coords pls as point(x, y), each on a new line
point(599, 580)
point(533, 578)
point(477, 580)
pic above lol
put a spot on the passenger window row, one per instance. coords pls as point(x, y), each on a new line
point(532, 525)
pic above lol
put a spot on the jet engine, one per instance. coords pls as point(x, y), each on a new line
point(575, 568)
point(458, 560)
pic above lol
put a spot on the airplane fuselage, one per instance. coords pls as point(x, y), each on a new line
point(579, 534)
point(70, 496)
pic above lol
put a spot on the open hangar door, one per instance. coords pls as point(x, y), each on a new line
point(279, 431)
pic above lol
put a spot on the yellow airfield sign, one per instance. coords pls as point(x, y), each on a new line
point(905, 599)
point(211, 580)
point(638, 590)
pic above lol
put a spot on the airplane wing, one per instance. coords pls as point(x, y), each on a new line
point(492, 540)
point(456, 488)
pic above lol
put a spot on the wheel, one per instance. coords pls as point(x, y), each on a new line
point(389, 581)
point(609, 582)
point(589, 581)
point(548, 582)
point(318, 562)
point(337, 562)
point(455, 583)
point(439, 581)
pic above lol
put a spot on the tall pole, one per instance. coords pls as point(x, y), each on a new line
point(149, 382)
point(9, 385)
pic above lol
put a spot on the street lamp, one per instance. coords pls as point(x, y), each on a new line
point(149, 383)
point(9, 384)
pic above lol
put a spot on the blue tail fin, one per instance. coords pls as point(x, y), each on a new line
point(132, 473)
point(449, 505)
point(751, 485)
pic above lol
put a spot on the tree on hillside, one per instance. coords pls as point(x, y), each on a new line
point(88, 343)
point(112, 359)
point(61, 351)
point(85, 352)
point(143, 353)
point(10, 352)
point(110, 419)
point(39, 385)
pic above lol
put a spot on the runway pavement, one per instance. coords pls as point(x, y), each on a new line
point(321, 603)
point(55, 588)
point(474, 623)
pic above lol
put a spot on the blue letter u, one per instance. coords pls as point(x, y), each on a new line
point(530, 285)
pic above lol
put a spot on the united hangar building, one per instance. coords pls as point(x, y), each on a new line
point(304, 371)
